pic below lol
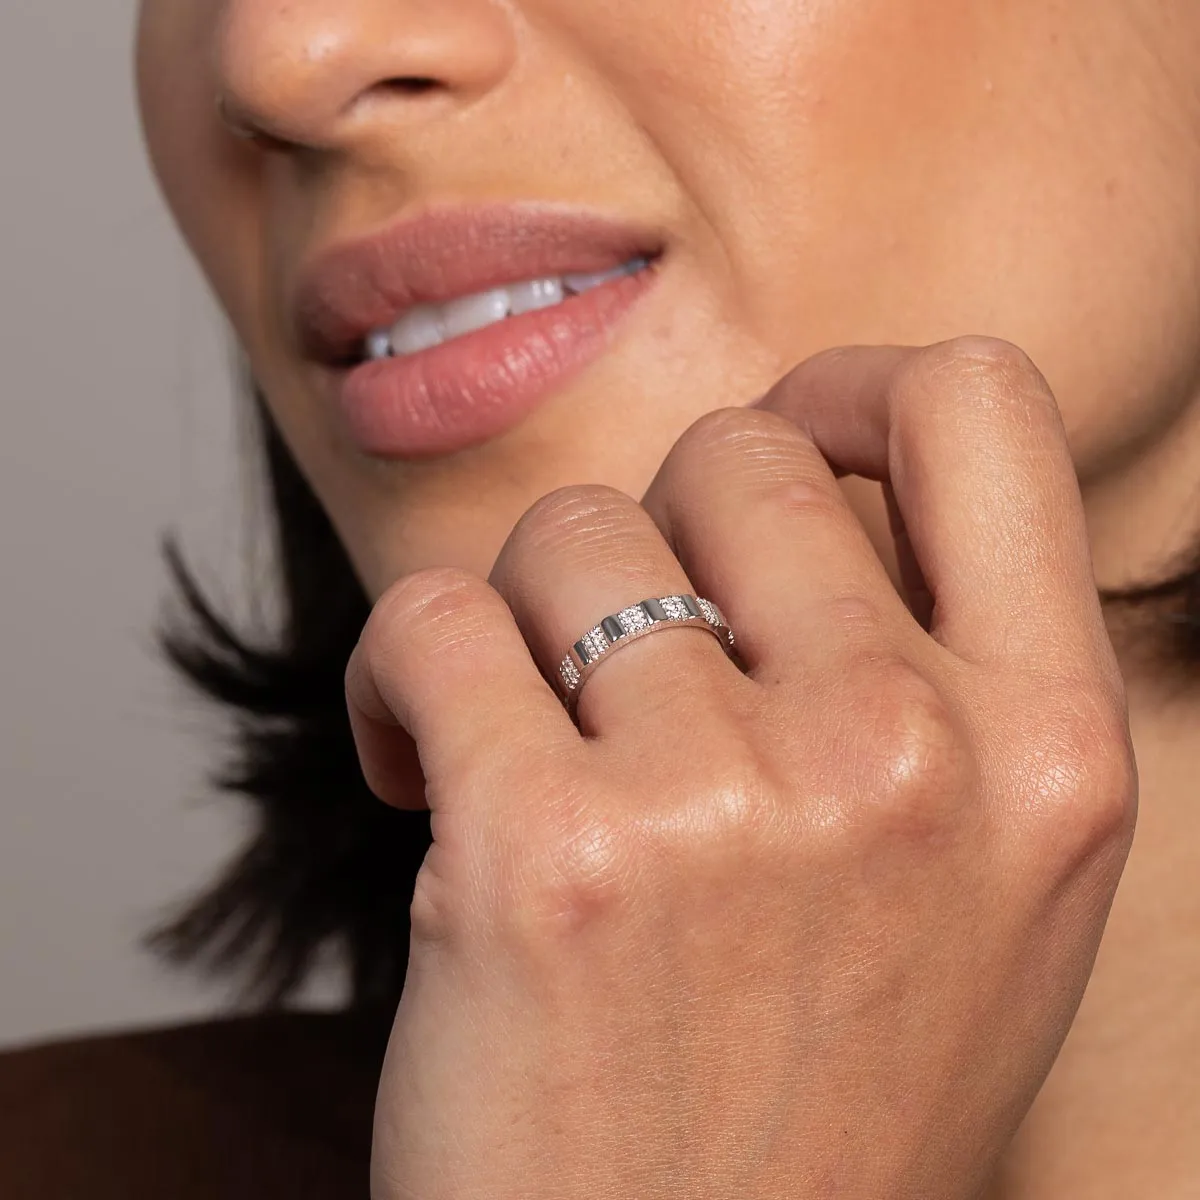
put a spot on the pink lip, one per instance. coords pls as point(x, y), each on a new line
point(477, 386)
point(474, 387)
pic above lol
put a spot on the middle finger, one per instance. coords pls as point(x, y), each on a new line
point(755, 513)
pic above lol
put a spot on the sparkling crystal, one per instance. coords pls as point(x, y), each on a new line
point(673, 607)
point(570, 672)
point(595, 641)
point(633, 619)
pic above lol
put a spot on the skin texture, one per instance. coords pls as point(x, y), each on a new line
point(813, 930)
point(826, 173)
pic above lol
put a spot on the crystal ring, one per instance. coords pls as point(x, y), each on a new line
point(661, 612)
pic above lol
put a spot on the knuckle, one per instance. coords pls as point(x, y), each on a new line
point(743, 817)
point(570, 513)
point(730, 424)
point(733, 809)
point(914, 759)
point(430, 919)
point(995, 372)
point(411, 595)
point(812, 500)
point(436, 910)
point(437, 606)
point(729, 810)
point(757, 454)
point(855, 615)
point(760, 442)
point(718, 424)
point(566, 880)
point(529, 883)
point(607, 857)
point(983, 357)
point(1080, 778)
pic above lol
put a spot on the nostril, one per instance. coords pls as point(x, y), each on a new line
point(248, 129)
point(412, 85)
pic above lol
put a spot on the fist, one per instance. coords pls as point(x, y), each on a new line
point(812, 921)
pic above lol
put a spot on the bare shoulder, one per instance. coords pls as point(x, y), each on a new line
point(262, 1106)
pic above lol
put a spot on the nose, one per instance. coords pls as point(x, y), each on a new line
point(315, 73)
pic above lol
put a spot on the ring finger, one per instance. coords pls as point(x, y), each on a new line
point(586, 552)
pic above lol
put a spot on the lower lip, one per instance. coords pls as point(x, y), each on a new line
point(477, 386)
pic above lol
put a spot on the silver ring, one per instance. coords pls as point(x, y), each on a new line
point(660, 612)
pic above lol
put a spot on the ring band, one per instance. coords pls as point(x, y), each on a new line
point(660, 612)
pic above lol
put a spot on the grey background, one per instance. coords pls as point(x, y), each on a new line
point(118, 420)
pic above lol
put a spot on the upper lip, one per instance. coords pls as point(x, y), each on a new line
point(359, 286)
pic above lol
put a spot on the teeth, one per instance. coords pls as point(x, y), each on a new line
point(431, 324)
point(379, 344)
point(473, 312)
point(417, 330)
point(540, 293)
point(584, 283)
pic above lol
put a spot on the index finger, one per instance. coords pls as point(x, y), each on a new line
point(970, 438)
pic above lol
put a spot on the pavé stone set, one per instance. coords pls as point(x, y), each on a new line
point(630, 623)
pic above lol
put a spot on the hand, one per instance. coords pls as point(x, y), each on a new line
point(814, 929)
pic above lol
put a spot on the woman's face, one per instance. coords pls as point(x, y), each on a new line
point(815, 172)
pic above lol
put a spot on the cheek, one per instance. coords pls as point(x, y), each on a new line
point(211, 184)
point(215, 189)
point(803, 133)
point(911, 170)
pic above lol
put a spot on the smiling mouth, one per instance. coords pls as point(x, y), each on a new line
point(450, 326)
point(428, 325)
